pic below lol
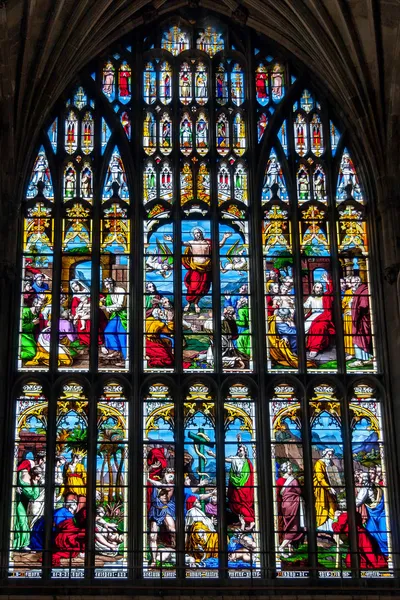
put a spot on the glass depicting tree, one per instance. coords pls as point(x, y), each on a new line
point(111, 519)
point(159, 509)
point(69, 535)
point(28, 488)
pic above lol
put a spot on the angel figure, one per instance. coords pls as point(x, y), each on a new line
point(236, 259)
point(161, 262)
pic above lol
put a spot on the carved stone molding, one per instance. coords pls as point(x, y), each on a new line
point(149, 13)
point(240, 15)
point(391, 272)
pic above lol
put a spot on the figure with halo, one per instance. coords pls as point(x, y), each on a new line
point(197, 261)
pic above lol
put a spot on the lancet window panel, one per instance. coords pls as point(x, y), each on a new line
point(195, 242)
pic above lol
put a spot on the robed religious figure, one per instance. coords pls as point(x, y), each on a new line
point(197, 261)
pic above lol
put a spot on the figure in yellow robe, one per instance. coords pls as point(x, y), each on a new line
point(201, 543)
point(325, 496)
point(75, 477)
point(348, 323)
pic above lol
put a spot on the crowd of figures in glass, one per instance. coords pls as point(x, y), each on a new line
point(159, 505)
point(69, 531)
point(76, 261)
point(67, 520)
point(333, 521)
point(159, 341)
point(37, 268)
point(236, 340)
point(313, 265)
point(279, 270)
point(358, 325)
point(201, 508)
point(114, 298)
point(188, 282)
point(296, 274)
point(370, 479)
point(111, 495)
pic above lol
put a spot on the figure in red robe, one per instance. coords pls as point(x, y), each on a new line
point(83, 326)
point(261, 85)
point(300, 137)
point(125, 80)
point(316, 133)
point(318, 324)
point(361, 322)
point(197, 261)
point(369, 554)
point(69, 538)
point(288, 493)
point(70, 134)
point(241, 487)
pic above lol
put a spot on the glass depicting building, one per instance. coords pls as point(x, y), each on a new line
point(198, 389)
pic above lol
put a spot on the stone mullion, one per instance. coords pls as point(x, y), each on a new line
point(256, 280)
point(296, 249)
point(214, 216)
point(349, 485)
point(175, 160)
point(136, 340)
point(331, 175)
point(309, 486)
point(299, 298)
point(176, 212)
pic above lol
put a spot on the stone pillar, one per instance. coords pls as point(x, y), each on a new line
point(8, 343)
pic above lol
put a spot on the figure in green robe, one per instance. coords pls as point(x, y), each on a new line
point(29, 321)
point(243, 322)
point(27, 492)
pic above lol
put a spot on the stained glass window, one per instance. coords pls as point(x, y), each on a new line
point(28, 491)
point(195, 244)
